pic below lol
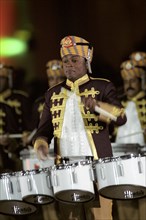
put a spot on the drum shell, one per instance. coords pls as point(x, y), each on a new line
point(127, 174)
point(73, 179)
point(30, 160)
point(36, 184)
point(11, 198)
point(10, 187)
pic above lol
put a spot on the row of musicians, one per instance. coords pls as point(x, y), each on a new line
point(19, 117)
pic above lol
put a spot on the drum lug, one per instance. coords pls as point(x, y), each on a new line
point(48, 180)
point(91, 174)
point(29, 184)
point(18, 186)
point(55, 180)
point(74, 178)
point(140, 167)
point(121, 170)
point(102, 173)
point(10, 186)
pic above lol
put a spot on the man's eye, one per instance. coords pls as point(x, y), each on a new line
point(74, 60)
point(64, 61)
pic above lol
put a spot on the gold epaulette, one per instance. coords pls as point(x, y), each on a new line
point(103, 79)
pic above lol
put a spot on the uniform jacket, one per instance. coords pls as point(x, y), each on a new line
point(53, 112)
point(19, 101)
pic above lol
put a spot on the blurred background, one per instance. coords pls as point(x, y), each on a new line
point(31, 30)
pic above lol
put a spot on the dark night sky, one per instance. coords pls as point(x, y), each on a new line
point(115, 28)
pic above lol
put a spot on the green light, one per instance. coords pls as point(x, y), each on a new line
point(12, 46)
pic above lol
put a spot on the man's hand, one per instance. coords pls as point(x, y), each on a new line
point(42, 152)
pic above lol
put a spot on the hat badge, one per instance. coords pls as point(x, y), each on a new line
point(138, 57)
point(128, 66)
point(67, 42)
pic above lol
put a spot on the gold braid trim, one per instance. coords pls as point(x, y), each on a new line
point(39, 142)
point(93, 148)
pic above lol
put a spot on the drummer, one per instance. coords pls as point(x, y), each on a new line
point(133, 72)
point(69, 115)
point(133, 76)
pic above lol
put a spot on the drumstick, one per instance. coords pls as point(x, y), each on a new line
point(138, 132)
point(105, 113)
point(100, 110)
point(11, 135)
point(31, 135)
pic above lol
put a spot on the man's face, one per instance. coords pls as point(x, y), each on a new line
point(74, 67)
point(132, 86)
point(55, 79)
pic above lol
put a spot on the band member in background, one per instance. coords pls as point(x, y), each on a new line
point(134, 131)
point(134, 103)
point(8, 145)
point(55, 75)
point(70, 115)
point(17, 99)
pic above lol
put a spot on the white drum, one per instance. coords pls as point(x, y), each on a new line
point(30, 160)
point(36, 186)
point(122, 177)
point(73, 182)
point(125, 149)
point(10, 196)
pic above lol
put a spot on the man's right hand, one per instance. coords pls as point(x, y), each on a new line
point(42, 153)
point(41, 148)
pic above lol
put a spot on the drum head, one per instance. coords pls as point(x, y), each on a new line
point(38, 199)
point(123, 192)
point(74, 196)
point(16, 208)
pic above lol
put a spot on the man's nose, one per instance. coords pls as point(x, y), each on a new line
point(69, 63)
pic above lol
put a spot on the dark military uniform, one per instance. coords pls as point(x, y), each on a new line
point(53, 113)
point(8, 125)
point(18, 100)
point(53, 116)
point(37, 109)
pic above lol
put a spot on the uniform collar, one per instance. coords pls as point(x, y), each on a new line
point(78, 82)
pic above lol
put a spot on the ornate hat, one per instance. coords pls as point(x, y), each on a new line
point(54, 67)
point(129, 69)
point(139, 58)
point(77, 46)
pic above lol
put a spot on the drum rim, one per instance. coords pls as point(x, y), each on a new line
point(118, 158)
point(34, 171)
point(71, 164)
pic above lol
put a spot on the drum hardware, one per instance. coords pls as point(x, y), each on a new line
point(125, 149)
point(30, 160)
point(122, 177)
point(131, 134)
point(36, 186)
point(10, 196)
point(73, 159)
point(73, 181)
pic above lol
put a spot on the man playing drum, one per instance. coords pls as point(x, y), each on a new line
point(77, 113)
